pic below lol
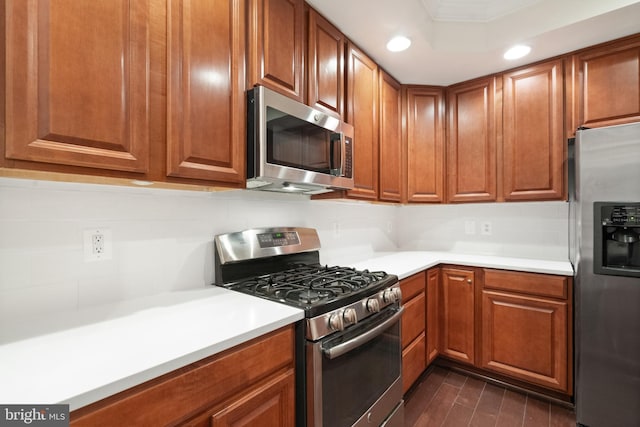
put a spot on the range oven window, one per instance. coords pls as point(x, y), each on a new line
point(355, 380)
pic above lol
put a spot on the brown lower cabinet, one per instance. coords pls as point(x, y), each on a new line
point(526, 327)
point(413, 328)
point(458, 314)
point(253, 383)
point(419, 324)
point(514, 326)
point(433, 324)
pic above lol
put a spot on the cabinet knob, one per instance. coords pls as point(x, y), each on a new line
point(469, 281)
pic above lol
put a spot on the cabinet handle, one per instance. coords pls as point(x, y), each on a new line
point(469, 281)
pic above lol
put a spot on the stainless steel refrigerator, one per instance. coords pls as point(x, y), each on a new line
point(605, 251)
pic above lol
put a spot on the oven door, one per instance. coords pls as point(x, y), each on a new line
point(354, 377)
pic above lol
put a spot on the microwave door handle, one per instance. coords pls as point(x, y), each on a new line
point(335, 146)
point(362, 339)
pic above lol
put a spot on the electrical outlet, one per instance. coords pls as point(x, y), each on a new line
point(97, 244)
point(485, 228)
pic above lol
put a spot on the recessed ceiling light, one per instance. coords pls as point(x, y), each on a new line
point(517, 51)
point(398, 44)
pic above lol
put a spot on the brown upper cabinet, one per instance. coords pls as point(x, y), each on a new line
point(391, 147)
point(90, 112)
point(276, 46)
point(474, 111)
point(325, 70)
point(77, 83)
point(362, 113)
point(424, 141)
point(205, 90)
point(173, 110)
point(607, 84)
point(533, 149)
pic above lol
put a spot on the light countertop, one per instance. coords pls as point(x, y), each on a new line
point(84, 356)
point(404, 264)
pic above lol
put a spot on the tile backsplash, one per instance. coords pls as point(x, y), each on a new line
point(163, 239)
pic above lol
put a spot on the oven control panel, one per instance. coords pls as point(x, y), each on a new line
point(276, 239)
point(342, 318)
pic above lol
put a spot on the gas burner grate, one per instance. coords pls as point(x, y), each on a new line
point(310, 284)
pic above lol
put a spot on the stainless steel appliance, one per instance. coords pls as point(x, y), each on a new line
point(605, 217)
point(292, 147)
point(349, 355)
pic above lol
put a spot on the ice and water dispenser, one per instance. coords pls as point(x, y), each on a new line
point(617, 239)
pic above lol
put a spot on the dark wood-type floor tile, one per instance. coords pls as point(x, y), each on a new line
point(438, 410)
point(486, 414)
point(443, 398)
point(470, 393)
point(562, 417)
point(536, 413)
point(422, 394)
point(512, 410)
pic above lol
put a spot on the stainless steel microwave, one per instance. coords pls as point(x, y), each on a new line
point(292, 147)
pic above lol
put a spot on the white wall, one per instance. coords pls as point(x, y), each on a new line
point(163, 239)
point(523, 229)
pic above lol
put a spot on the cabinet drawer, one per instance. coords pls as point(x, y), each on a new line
point(412, 286)
point(413, 319)
point(169, 399)
point(527, 283)
point(413, 362)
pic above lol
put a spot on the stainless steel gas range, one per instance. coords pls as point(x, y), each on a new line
point(348, 349)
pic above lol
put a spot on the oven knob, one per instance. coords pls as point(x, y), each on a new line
point(350, 316)
point(390, 296)
point(335, 321)
point(398, 293)
point(373, 305)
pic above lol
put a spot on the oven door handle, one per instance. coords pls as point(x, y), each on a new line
point(347, 346)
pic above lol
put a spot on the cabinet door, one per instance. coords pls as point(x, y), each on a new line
point(391, 171)
point(458, 323)
point(425, 144)
point(205, 91)
point(533, 133)
point(526, 338)
point(77, 83)
point(362, 113)
point(276, 44)
point(269, 406)
point(608, 84)
point(471, 144)
point(325, 82)
point(433, 324)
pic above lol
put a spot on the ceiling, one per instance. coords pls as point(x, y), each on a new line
point(456, 40)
